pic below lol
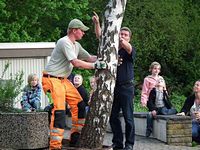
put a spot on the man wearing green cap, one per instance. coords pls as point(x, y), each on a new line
point(76, 23)
point(68, 53)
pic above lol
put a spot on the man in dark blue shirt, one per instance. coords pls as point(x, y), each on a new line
point(124, 90)
point(124, 94)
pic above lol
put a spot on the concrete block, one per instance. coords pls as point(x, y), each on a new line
point(160, 130)
point(24, 130)
point(179, 126)
point(180, 132)
point(179, 140)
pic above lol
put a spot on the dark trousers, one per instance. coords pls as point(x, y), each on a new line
point(160, 111)
point(123, 100)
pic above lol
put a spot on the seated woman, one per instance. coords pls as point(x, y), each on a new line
point(158, 104)
point(31, 94)
point(192, 107)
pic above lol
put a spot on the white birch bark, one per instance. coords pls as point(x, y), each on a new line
point(97, 119)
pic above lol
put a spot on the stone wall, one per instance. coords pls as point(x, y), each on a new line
point(179, 131)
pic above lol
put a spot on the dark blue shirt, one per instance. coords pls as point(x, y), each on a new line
point(125, 71)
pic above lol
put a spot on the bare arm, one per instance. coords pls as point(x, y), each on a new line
point(123, 43)
point(82, 64)
point(93, 58)
point(126, 45)
point(97, 26)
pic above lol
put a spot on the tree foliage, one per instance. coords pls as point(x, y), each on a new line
point(163, 31)
point(41, 20)
point(167, 32)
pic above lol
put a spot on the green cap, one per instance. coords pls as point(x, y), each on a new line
point(77, 24)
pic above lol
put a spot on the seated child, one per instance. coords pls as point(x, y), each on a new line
point(158, 104)
point(77, 81)
point(31, 94)
point(150, 82)
point(78, 84)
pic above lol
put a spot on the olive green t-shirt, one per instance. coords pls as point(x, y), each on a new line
point(65, 51)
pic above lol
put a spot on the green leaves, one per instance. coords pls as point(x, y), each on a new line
point(9, 90)
point(163, 31)
point(167, 32)
point(28, 20)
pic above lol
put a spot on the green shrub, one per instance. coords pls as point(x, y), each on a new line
point(9, 90)
point(137, 102)
point(177, 100)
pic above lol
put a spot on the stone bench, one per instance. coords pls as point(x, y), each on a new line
point(171, 129)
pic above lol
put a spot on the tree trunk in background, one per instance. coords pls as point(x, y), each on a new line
point(97, 119)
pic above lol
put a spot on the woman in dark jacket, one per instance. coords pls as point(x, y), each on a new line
point(192, 107)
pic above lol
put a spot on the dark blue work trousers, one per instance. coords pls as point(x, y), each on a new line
point(123, 100)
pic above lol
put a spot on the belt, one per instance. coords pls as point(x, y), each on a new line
point(125, 82)
point(51, 76)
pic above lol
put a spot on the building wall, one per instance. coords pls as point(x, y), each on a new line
point(26, 57)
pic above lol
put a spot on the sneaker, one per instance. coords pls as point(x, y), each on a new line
point(128, 147)
point(148, 133)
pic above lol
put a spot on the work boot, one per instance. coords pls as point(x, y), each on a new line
point(74, 139)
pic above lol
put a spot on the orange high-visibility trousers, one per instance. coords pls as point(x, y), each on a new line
point(62, 90)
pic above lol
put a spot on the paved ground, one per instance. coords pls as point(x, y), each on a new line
point(143, 143)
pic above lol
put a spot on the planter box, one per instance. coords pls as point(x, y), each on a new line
point(24, 130)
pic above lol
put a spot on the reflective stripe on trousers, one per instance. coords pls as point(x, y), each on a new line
point(61, 91)
point(56, 136)
point(77, 125)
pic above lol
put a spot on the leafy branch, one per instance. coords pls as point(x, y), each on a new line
point(10, 89)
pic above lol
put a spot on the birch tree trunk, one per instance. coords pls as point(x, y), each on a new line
point(92, 134)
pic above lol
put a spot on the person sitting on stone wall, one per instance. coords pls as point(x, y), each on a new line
point(192, 107)
point(158, 104)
